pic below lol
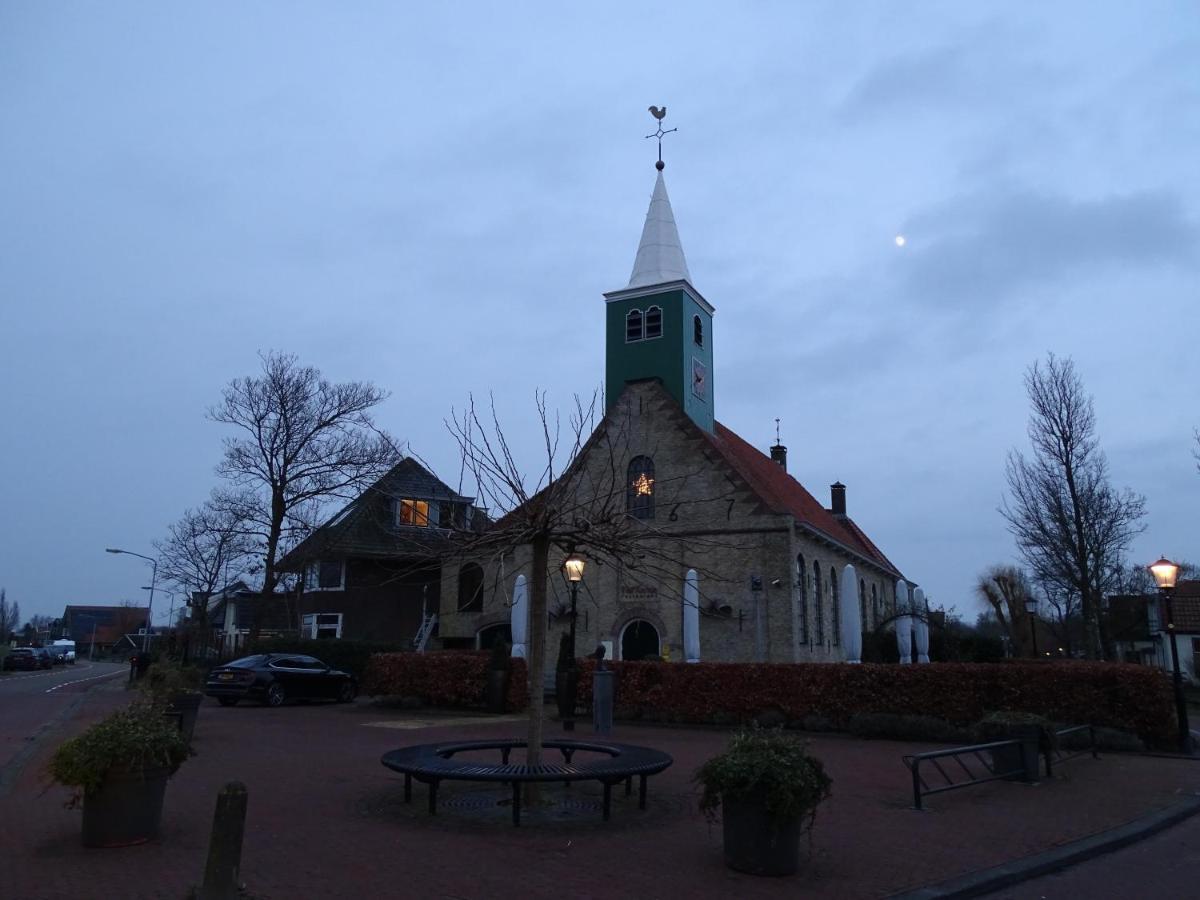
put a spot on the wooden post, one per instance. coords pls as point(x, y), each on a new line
point(221, 881)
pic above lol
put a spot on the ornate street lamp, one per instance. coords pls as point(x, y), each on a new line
point(573, 567)
point(1031, 607)
point(1165, 575)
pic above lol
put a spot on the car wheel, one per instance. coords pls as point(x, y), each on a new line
point(227, 701)
point(346, 692)
point(276, 694)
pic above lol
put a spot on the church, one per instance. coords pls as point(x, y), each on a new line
point(733, 559)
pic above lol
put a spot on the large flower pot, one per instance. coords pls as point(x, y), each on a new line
point(496, 693)
point(187, 706)
point(1021, 760)
point(754, 842)
point(125, 809)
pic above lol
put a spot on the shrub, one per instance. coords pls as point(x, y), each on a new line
point(166, 679)
point(453, 680)
point(890, 726)
point(349, 656)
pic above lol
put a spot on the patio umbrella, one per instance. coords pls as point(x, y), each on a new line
point(921, 625)
point(903, 623)
point(520, 616)
point(691, 616)
point(851, 616)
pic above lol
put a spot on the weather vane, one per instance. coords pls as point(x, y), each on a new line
point(776, 429)
point(659, 114)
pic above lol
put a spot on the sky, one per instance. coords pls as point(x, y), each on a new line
point(433, 197)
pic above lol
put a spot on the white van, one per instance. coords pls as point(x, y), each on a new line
point(66, 648)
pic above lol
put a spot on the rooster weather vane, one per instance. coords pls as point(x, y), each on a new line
point(659, 114)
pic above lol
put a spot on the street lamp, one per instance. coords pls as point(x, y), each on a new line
point(1031, 607)
point(573, 567)
point(1165, 574)
point(171, 614)
point(150, 604)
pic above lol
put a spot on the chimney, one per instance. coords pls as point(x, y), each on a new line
point(837, 498)
point(779, 455)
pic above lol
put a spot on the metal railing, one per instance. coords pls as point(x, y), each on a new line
point(1054, 754)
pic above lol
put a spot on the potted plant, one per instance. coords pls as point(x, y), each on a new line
point(566, 680)
point(499, 664)
point(177, 689)
point(1020, 761)
point(768, 788)
point(119, 768)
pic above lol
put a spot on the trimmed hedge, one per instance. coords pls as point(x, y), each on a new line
point(441, 678)
point(349, 656)
point(1115, 695)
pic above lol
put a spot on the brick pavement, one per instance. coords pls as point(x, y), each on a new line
point(325, 820)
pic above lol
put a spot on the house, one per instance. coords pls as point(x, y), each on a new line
point(374, 570)
point(103, 626)
point(231, 612)
point(773, 571)
point(1185, 606)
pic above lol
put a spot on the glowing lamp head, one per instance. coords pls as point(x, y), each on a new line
point(1165, 573)
point(573, 566)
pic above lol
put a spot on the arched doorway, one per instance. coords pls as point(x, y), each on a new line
point(639, 640)
point(492, 633)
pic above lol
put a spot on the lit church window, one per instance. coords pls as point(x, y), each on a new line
point(640, 493)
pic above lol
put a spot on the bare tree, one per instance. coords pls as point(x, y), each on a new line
point(1005, 589)
point(1071, 525)
point(198, 552)
point(300, 440)
point(10, 616)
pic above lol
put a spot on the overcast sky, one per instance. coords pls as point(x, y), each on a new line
point(434, 196)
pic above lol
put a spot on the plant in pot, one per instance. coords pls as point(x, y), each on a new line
point(498, 673)
point(1020, 761)
point(767, 788)
point(566, 680)
point(119, 768)
point(177, 689)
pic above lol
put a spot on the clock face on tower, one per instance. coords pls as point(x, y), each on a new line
point(699, 379)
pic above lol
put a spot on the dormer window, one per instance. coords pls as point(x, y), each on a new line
point(653, 322)
point(697, 331)
point(413, 512)
point(633, 326)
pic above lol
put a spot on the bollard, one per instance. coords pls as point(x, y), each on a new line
point(602, 701)
point(221, 881)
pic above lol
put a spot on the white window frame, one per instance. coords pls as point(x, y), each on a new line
point(312, 576)
point(641, 329)
point(312, 629)
point(431, 515)
point(646, 336)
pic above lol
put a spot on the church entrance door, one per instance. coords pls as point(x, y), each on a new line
point(639, 640)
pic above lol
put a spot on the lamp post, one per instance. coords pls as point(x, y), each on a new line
point(1165, 574)
point(171, 614)
point(573, 566)
point(1031, 607)
point(150, 604)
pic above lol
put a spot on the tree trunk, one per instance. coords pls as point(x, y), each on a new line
point(270, 576)
point(537, 657)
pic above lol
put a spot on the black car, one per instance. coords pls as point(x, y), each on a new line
point(273, 678)
point(27, 658)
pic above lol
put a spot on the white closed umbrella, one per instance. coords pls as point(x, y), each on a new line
point(903, 623)
point(921, 625)
point(851, 617)
point(520, 616)
point(691, 616)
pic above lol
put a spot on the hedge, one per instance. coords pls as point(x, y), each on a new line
point(442, 678)
point(349, 656)
point(1115, 695)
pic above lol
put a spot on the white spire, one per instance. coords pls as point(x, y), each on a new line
point(660, 254)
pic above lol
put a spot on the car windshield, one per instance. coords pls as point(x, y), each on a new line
point(247, 662)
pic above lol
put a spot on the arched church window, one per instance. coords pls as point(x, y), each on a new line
point(633, 326)
point(835, 620)
point(653, 322)
point(802, 587)
point(698, 331)
point(862, 604)
point(639, 497)
point(818, 605)
point(470, 588)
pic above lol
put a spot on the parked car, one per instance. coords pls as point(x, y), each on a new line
point(67, 648)
point(27, 658)
point(274, 678)
point(58, 656)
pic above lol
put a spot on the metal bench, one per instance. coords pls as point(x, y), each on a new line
point(432, 764)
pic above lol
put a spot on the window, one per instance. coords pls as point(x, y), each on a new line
point(654, 322)
point(698, 331)
point(862, 604)
point(470, 588)
point(633, 326)
point(322, 626)
point(325, 575)
point(835, 620)
point(802, 587)
point(639, 499)
point(413, 512)
point(875, 605)
point(819, 618)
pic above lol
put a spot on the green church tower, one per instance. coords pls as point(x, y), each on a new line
point(659, 326)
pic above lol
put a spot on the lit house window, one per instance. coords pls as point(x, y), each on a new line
point(633, 326)
point(326, 575)
point(654, 322)
point(413, 512)
point(639, 499)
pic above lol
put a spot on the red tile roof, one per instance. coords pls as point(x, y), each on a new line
point(782, 493)
point(1185, 604)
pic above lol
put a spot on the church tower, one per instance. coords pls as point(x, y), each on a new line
point(659, 326)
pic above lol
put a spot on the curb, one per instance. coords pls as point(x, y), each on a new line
point(976, 884)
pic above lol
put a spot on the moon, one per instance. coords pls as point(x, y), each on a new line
point(901, 240)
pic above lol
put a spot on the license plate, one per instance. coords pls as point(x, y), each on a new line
point(225, 676)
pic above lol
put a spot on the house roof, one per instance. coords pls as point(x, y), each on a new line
point(110, 623)
point(365, 527)
point(1185, 604)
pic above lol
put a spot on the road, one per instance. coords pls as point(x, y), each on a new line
point(34, 704)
